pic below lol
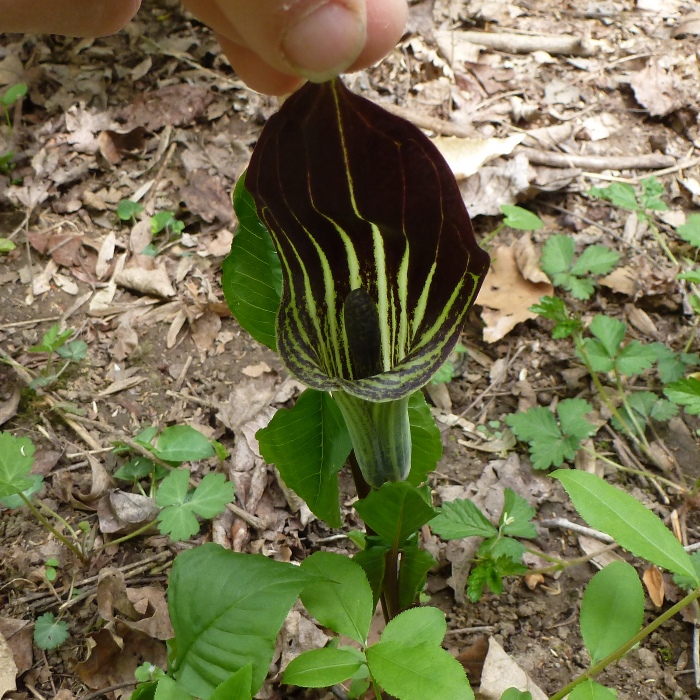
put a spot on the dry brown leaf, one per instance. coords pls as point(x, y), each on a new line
point(298, 634)
point(473, 657)
point(8, 668)
point(533, 580)
point(206, 196)
point(654, 581)
point(466, 156)
point(19, 636)
point(204, 332)
point(173, 105)
point(114, 145)
point(121, 511)
point(104, 257)
point(589, 545)
point(221, 245)
point(621, 280)
point(247, 399)
point(147, 278)
point(176, 325)
point(659, 91)
point(493, 185)
point(256, 370)
point(527, 258)
point(507, 296)
point(501, 672)
point(9, 405)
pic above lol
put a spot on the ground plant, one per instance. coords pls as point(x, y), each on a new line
point(331, 270)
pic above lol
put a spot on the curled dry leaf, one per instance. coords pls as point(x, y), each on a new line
point(104, 257)
point(659, 91)
point(147, 278)
point(466, 156)
point(120, 511)
point(9, 402)
point(8, 668)
point(527, 258)
point(19, 636)
point(654, 581)
point(501, 672)
point(507, 296)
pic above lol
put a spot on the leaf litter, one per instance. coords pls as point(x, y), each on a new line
point(162, 350)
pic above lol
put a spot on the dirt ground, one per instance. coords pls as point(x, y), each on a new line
point(155, 114)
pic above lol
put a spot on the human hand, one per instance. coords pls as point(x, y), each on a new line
point(273, 45)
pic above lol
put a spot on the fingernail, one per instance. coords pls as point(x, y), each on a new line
point(325, 42)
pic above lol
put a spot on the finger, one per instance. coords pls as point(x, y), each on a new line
point(255, 73)
point(315, 39)
point(91, 18)
point(386, 20)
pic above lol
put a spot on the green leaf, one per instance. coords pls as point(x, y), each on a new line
point(163, 220)
point(309, 443)
point(521, 219)
point(634, 358)
point(595, 260)
point(688, 582)
point(136, 468)
point(127, 210)
point(645, 405)
point(502, 547)
point(16, 460)
point(619, 193)
point(343, 601)
point(461, 518)
point(373, 562)
point(179, 506)
point(672, 366)
point(515, 694)
point(74, 351)
point(168, 689)
point(49, 632)
point(13, 93)
point(395, 511)
point(612, 609)
point(426, 441)
point(590, 690)
point(610, 332)
point(690, 230)
point(252, 273)
point(685, 392)
point(552, 443)
point(52, 339)
point(491, 572)
point(626, 520)
point(231, 621)
point(516, 516)
point(320, 668)
point(579, 288)
point(349, 232)
point(6, 245)
point(183, 443)
point(652, 189)
point(423, 672)
point(417, 626)
point(413, 573)
point(237, 687)
point(557, 255)
point(555, 309)
point(15, 500)
point(145, 691)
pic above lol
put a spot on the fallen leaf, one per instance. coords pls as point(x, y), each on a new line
point(121, 511)
point(173, 105)
point(589, 546)
point(247, 399)
point(153, 280)
point(104, 257)
point(654, 581)
point(473, 657)
point(533, 580)
point(507, 296)
point(527, 258)
point(501, 672)
point(256, 370)
point(221, 245)
point(601, 126)
point(466, 156)
point(9, 405)
point(113, 144)
point(8, 668)
point(298, 634)
point(19, 635)
point(204, 332)
point(659, 91)
point(206, 196)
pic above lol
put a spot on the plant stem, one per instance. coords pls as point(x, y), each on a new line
point(561, 564)
point(630, 410)
point(621, 651)
point(37, 514)
point(490, 236)
point(390, 586)
point(130, 536)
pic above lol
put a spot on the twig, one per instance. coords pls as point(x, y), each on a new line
point(471, 630)
point(565, 524)
point(527, 43)
point(108, 689)
point(31, 322)
point(644, 161)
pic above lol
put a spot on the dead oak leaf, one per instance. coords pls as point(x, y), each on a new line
point(658, 91)
point(507, 296)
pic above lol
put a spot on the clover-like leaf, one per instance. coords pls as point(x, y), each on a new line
point(16, 459)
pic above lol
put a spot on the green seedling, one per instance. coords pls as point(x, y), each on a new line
point(49, 632)
point(128, 210)
point(553, 440)
point(55, 342)
point(500, 554)
point(51, 569)
point(148, 673)
point(517, 218)
point(6, 245)
point(572, 273)
point(9, 97)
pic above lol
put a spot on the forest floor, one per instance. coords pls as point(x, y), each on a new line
point(595, 93)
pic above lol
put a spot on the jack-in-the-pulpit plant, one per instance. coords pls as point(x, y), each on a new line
point(379, 260)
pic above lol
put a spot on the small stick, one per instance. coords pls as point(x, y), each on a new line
point(575, 527)
point(644, 161)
